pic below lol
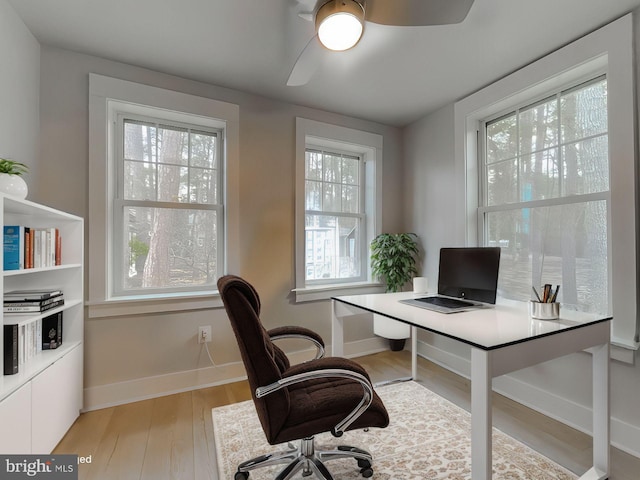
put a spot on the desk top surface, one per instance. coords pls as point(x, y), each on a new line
point(507, 323)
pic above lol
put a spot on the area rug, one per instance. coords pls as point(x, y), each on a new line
point(428, 438)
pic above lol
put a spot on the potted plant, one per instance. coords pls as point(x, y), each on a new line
point(393, 260)
point(11, 181)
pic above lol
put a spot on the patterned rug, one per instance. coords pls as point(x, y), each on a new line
point(428, 438)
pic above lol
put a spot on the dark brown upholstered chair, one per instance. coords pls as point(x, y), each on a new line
point(296, 402)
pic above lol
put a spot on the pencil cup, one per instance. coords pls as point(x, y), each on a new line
point(420, 285)
point(545, 311)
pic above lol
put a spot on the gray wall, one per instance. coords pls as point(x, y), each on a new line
point(19, 90)
point(560, 388)
point(143, 348)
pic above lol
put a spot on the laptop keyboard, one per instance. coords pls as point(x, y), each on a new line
point(445, 302)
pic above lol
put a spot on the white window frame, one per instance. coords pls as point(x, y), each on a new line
point(106, 97)
point(118, 113)
point(367, 145)
point(608, 50)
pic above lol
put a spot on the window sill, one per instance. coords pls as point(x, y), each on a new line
point(325, 292)
point(149, 304)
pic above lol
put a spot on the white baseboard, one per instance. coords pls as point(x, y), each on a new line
point(624, 436)
point(103, 396)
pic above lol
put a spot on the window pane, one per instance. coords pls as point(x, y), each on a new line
point(313, 168)
point(586, 166)
point(332, 198)
point(203, 150)
point(502, 182)
point(172, 183)
point(502, 139)
point(540, 176)
point(332, 247)
point(173, 146)
point(584, 112)
point(332, 165)
point(350, 200)
point(203, 185)
point(539, 127)
point(139, 141)
point(167, 248)
point(139, 180)
point(350, 170)
point(313, 196)
point(564, 245)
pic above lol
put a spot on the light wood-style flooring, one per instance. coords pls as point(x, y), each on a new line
point(172, 437)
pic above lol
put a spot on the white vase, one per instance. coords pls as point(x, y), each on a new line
point(13, 185)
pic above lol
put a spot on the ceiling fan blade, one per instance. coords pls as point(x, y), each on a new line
point(416, 12)
point(306, 64)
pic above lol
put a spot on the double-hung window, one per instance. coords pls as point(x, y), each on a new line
point(338, 208)
point(168, 214)
point(334, 217)
point(546, 195)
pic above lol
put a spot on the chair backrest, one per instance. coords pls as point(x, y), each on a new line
point(263, 361)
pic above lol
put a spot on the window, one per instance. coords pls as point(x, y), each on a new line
point(163, 177)
point(546, 196)
point(168, 211)
point(338, 172)
point(556, 184)
point(334, 217)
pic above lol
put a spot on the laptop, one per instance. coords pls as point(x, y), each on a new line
point(467, 280)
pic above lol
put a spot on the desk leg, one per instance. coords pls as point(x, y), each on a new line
point(337, 332)
point(481, 420)
point(414, 352)
point(601, 412)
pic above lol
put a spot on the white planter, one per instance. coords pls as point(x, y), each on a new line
point(13, 185)
point(391, 329)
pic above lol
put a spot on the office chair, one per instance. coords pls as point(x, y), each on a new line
point(296, 402)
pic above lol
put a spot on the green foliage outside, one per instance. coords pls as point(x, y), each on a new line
point(138, 248)
point(393, 259)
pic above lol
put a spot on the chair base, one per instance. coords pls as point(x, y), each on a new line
point(307, 459)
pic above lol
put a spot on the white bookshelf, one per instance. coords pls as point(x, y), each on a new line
point(45, 397)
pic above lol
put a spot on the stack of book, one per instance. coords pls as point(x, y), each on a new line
point(28, 247)
point(32, 301)
point(22, 342)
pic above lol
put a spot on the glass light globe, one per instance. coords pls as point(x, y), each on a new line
point(340, 31)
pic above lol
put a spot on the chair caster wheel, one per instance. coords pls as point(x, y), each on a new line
point(366, 472)
point(364, 464)
point(241, 476)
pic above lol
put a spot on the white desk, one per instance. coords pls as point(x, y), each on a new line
point(503, 339)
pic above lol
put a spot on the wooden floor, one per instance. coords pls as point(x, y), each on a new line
point(172, 437)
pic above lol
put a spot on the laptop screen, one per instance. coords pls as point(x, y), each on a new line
point(470, 273)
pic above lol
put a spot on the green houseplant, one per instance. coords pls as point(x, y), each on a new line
point(11, 181)
point(393, 260)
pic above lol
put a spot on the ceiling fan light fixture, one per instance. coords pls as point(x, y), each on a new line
point(340, 24)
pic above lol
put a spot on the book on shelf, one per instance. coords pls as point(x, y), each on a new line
point(32, 301)
point(52, 331)
point(10, 349)
point(13, 247)
point(29, 247)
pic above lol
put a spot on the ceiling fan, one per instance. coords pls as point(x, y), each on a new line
point(340, 24)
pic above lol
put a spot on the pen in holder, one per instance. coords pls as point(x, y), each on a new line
point(545, 308)
point(545, 311)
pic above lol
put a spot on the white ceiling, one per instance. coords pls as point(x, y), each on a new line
point(395, 75)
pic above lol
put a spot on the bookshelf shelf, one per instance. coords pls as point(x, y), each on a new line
point(51, 380)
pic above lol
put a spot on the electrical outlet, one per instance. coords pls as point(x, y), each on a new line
point(204, 334)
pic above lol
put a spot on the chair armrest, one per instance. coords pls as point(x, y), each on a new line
point(325, 368)
point(280, 333)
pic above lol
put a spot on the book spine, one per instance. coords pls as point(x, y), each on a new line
point(27, 247)
point(10, 349)
point(13, 247)
point(29, 303)
point(36, 309)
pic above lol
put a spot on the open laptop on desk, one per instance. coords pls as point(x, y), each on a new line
point(467, 280)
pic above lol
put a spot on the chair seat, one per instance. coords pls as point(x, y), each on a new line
point(318, 405)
